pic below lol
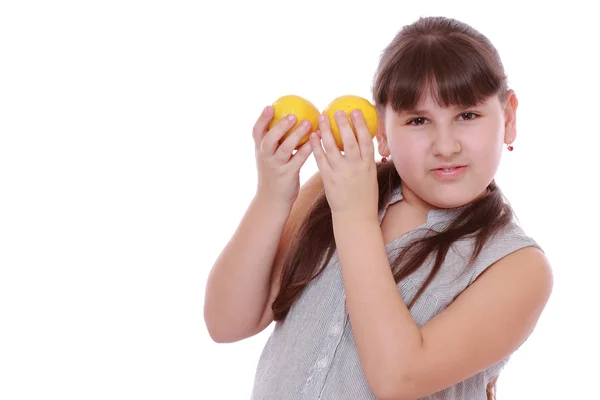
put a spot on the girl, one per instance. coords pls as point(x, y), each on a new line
point(403, 279)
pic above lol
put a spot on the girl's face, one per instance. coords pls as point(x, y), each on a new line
point(447, 157)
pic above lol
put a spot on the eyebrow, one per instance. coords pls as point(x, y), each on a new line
point(413, 112)
point(422, 112)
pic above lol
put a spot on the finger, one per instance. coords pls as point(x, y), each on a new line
point(284, 152)
point(351, 149)
point(365, 141)
point(333, 152)
point(320, 157)
point(261, 126)
point(300, 157)
point(270, 141)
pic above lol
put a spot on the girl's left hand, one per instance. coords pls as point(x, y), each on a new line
point(350, 179)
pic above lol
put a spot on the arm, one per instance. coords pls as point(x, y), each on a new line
point(486, 323)
point(244, 280)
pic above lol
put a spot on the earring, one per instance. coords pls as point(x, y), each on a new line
point(509, 147)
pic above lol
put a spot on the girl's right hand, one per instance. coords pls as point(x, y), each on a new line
point(278, 167)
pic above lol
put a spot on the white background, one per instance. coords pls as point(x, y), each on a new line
point(126, 162)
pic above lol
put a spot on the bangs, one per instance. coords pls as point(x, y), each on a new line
point(454, 70)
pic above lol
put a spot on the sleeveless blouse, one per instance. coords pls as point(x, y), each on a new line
point(313, 355)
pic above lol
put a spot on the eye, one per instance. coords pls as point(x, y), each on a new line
point(469, 115)
point(416, 121)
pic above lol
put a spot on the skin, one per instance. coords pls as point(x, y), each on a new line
point(419, 142)
point(488, 320)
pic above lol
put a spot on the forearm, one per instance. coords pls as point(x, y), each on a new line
point(385, 332)
point(238, 285)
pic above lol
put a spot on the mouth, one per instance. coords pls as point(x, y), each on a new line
point(449, 169)
point(449, 172)
point(449, 166)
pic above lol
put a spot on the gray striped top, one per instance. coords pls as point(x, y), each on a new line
point(312, 354)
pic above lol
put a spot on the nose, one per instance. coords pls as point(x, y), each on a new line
point(445, 143)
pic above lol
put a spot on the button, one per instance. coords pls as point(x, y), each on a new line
point(336, 329)
point(322, 363)
point(306, 388)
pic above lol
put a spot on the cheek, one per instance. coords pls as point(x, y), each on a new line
point(485, 153)
point(408, 155)
point(482, 149)
point(487, 146)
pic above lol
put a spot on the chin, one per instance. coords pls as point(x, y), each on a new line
point(448, 203)
point(452, 199)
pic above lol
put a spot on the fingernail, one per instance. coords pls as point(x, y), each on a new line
point(356, 113)
point(322, 117)
point(266, 110)
point(291, 117)
point(340, 113)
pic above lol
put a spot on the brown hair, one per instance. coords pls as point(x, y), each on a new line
point(460, 67)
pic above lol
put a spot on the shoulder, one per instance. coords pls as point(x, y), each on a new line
point(509, 245)
point(525, 258)
point(528, 265)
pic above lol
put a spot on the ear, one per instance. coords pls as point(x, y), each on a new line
point(510, 117)
point(382, 144)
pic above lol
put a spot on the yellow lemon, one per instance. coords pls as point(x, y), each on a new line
point(349, 103)
point(301, 108)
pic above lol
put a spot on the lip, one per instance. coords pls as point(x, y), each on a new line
point(447, 166)
point(455, 172)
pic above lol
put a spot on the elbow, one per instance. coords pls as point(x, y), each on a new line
point(216, 332)
point(215, 335)
point(394, 396)
point(395, 393)
point(218, 338)
point(229, 337)
point(396, 387)
point(221, 332)
point(222, 335)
